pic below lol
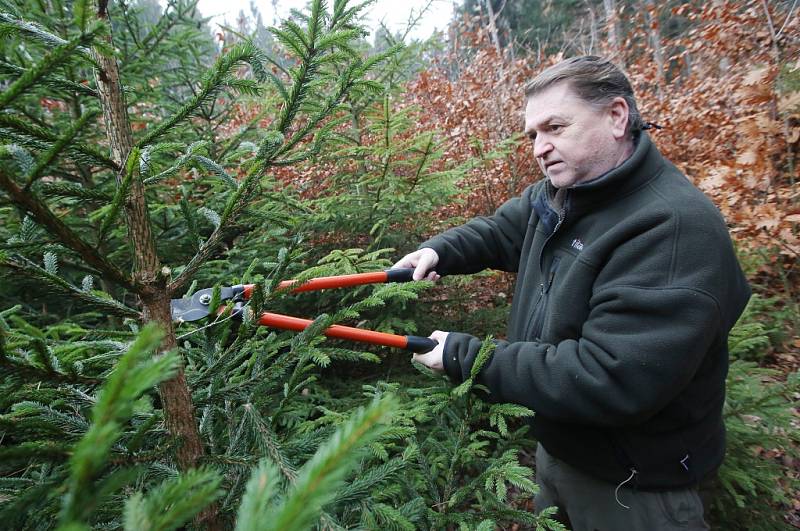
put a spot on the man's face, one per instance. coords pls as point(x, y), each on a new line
point(574, 142)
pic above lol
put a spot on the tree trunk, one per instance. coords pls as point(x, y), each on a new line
point(653, 31)
point(592, 28)
point(612, 27)
point(493, 25)
point(152, 284)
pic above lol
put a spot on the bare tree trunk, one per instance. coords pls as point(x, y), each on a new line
point(151, 284)
point(612, 27)
point(592, 28)
point(777, 58)
point(653, 31)
point(493, 24)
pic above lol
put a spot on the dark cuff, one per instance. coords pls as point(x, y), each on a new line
point(459, 354)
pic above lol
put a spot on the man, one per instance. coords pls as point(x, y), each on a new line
point(627, 288)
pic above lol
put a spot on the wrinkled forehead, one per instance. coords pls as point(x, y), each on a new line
point(558, 101)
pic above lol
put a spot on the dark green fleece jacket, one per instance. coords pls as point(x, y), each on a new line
point(627, 288)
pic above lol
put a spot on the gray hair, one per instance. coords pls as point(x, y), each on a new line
point(595, 80)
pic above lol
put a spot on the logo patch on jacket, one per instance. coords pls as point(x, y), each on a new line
point(577, 244)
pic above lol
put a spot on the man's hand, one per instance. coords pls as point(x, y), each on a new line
point(423, 261)
point(434, 359)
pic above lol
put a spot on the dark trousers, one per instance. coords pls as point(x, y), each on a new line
point(589, 504)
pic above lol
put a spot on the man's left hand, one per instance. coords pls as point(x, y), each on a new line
point(434, 359)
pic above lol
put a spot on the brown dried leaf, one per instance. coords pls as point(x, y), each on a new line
point(756, 76)
point(715, 179)
point(748, 158)
point(789, 102)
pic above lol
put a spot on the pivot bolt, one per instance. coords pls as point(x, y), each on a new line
point(204, 299)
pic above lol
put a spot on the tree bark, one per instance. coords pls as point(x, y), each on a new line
point(612, 27)
point(152, 285)
point(651, 17)
point(492, 24)
point(592, 28)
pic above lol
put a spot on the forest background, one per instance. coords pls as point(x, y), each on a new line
point(146, 155)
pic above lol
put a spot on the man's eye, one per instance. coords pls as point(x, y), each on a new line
point(555, 128)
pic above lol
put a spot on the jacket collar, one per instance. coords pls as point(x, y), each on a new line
point(644, 164)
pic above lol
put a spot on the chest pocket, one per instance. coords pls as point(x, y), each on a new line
point(563, 305)
point(568, 295)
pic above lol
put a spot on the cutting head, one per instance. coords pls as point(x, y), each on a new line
point(197, 307)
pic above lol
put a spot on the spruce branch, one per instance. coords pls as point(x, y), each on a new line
point(24, 132)
point(31, 203)
point(25, 267)
point(233, 143)
point(258, 497)
point(343, 17)
point(274, 145)
point(22, 157)
point(135, 372)
point(237, 201)
point(73, 190)
point(289, 40)
point(205, 252)
point(215, 168)
point(49, 62)
point(218, 77)
point(183, 161)
point(43, 420)
point(304, 46)
point(349, 77)
point(366, 482)
point(51, 80)
point(323, 474)
point(318, 9)
point(392, 519)
point(173, 13)
point(484, 355)
point(339, 38)
point(38, 33)
point(267, 442)
point(278, 84)
point(17, 370)
point(23, 453)
point(80, 13)
point(174, 502)
point(55, 150)
point(120, 194)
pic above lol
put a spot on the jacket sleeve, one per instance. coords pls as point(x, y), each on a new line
point(493, 242)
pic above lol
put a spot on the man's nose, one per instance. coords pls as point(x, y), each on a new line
point(541, 146)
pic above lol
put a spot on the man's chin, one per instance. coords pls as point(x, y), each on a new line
point(561, 180)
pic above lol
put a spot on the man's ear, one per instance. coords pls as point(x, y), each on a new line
point(618, 112)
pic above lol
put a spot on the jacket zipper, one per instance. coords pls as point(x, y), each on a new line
point(541, 307)
point(539, 311)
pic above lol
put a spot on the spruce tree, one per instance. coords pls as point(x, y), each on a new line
point(55, 177)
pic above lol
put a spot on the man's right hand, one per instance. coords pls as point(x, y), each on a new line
point(423, 261)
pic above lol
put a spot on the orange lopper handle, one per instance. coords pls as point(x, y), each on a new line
point(412, 343)
point(342, 281)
